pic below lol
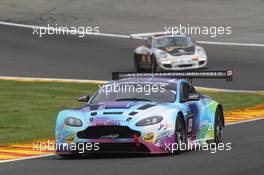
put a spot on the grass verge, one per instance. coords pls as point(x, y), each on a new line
point(28, 109)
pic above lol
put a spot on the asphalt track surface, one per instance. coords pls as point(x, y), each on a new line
point(245, 157)
point(137, 16)
point(93, 57)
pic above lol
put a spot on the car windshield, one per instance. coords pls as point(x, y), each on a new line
point(163, 93)
point(178, 41)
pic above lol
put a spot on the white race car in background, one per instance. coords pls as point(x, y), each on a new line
point(177, 52)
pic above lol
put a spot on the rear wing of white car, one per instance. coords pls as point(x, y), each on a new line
point(150, 35)
point(227, 74)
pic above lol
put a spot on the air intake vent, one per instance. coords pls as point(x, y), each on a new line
point(112, 113)
point(97, 132)
point(133, 113)
point(93, 113)
point(146, 106)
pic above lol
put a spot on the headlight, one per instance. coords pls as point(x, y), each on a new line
point(149, 121)
point(162, 54)
point(201, 52)
point(72, 121)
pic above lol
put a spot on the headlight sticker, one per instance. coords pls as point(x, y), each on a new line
point(70, 138)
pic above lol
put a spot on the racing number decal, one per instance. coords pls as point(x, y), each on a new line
point(190, 125)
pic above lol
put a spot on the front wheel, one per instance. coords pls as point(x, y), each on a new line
point(218, 126)
point(180, 134)
point(136, 62)
point(154, 64)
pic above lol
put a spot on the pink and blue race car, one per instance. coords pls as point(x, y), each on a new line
point(142, 113)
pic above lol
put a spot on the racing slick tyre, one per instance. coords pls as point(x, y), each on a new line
point(155, 67)
point(70, 156)
point(180, 134)
point(218, 126)
point(136, 63)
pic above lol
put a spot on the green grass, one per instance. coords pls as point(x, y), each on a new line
point(28, 109)
point(236, 100)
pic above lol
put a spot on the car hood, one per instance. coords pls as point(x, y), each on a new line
point(177, 51)
point(109, 112)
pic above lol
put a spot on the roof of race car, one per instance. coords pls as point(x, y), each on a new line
point(169, 35)
point(156, 35)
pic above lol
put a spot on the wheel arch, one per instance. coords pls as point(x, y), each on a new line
point(180, 114)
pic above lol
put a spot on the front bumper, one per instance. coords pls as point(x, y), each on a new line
point(133, 141)
point(181, 64)
point(175, 63)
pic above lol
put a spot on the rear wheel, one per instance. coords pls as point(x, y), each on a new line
point(71, 156)
point(218, 126)
point(180, 134)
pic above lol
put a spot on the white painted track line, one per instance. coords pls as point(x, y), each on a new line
point(129, 36)
point(33, 26)
point(27, 158)
point(231, 44)
point(32, 79)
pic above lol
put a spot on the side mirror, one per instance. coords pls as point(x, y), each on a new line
point(84, 98)
point(193, 97)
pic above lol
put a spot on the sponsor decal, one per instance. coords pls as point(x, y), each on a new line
point(166, 134)
point(204, 123)
point(111, 136)
point(158, 142)
point(148, 137)
point(211, 126)
point(70, 138)
point(163, 127)
point(104, 122)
